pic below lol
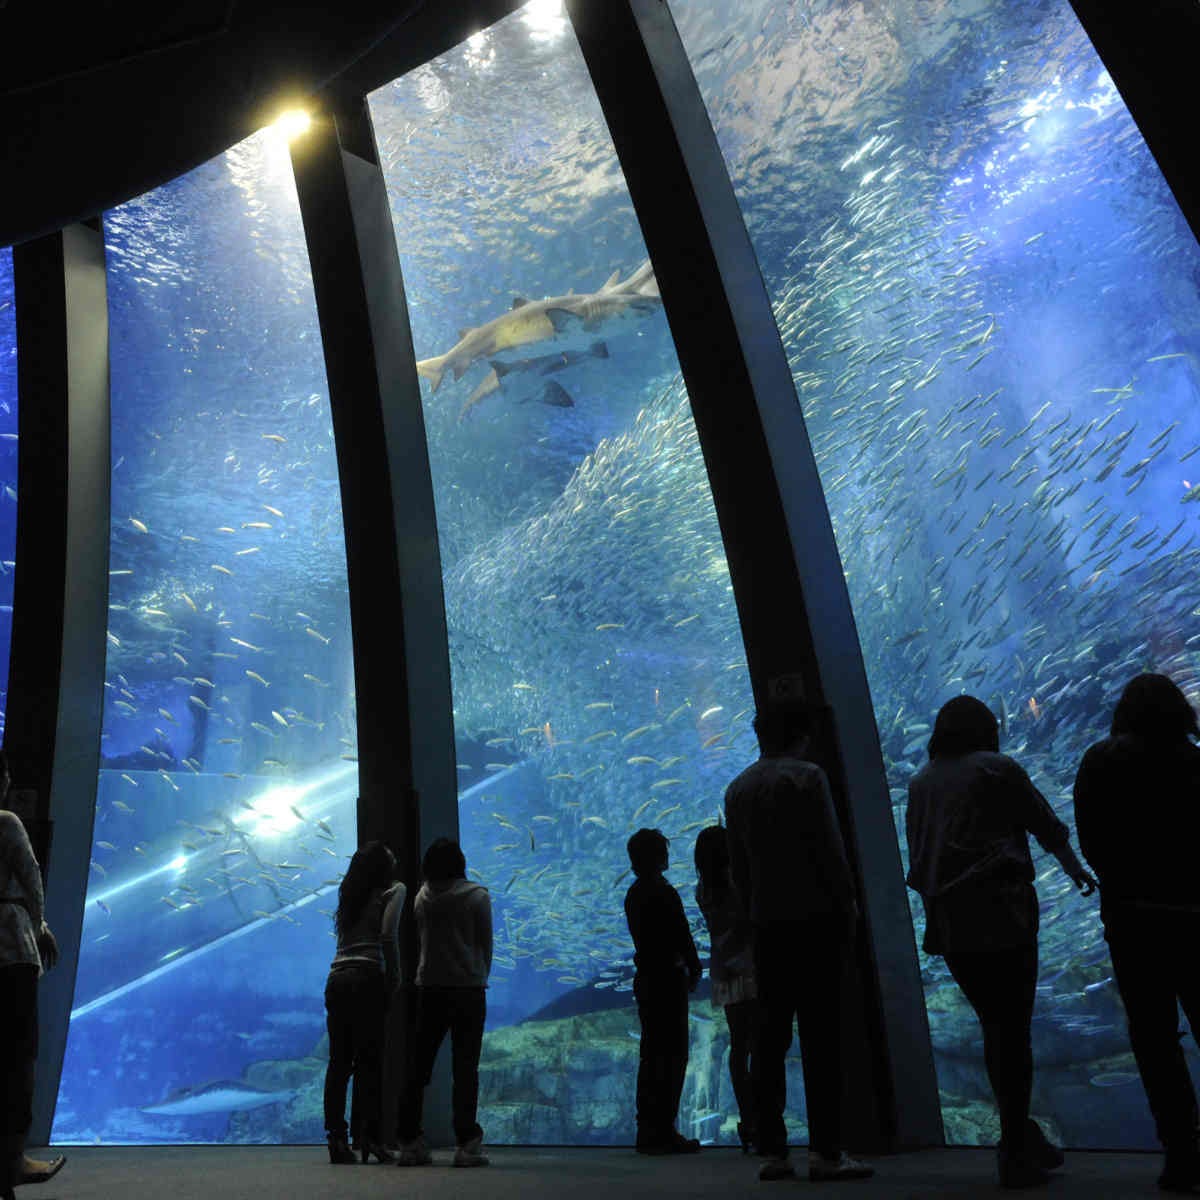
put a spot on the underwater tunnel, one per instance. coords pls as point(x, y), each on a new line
point(475, 459)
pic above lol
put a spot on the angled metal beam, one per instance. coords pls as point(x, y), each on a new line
point(406, 761)
point(60, 598)
point(783, 561)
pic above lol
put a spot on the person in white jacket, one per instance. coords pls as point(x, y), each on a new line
point(454, 924)
point(27, 947)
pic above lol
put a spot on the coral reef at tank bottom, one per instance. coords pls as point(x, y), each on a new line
point(571, 1081)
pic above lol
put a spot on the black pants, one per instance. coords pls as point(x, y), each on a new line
point(1000, 986)
point(461, 1012)
point(355, 1013)
point(1156, 962)
point(800, 967)
point(662, 1002)
point(18, 1047)
point(742, 1019)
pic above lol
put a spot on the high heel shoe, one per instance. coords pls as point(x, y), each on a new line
point(36, 1171)
point(339, 1150)
point(381, 1152)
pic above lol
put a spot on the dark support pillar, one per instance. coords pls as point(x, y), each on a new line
point(787, 577)
point(60, 600)
point(406, 761)
point(1150, 51)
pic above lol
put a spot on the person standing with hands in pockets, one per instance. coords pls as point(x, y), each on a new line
point(789, 866)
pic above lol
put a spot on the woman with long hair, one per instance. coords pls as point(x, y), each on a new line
point(356, 995)
point(730, 965)
point(970, 811)
point(1137, 809)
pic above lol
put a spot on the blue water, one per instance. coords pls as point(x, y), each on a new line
point(988, 301)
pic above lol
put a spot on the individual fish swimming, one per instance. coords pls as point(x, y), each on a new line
point(222, 1095)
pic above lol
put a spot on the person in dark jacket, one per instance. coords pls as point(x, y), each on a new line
point(667, 968)
point(361, 977)
point(1137, 809)
point(970, 811)
point(789, 865)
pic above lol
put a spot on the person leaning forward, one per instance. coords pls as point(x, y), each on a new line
point(789, 865)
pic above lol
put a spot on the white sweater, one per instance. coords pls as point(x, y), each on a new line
point(454, 920)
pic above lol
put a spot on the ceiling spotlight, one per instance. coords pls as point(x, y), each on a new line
point(293, 123)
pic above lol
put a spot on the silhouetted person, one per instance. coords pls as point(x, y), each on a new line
point(730, 966)
point(789, 866)
point(27, 947)
point(454, 924)
point(667, 969)
point(1137, 809)
point(970, 811)
point(361, 977)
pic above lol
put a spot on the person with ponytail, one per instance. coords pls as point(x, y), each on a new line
point(367, 922)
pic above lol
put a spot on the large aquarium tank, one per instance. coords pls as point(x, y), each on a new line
point(225, 805)
point(989, 301)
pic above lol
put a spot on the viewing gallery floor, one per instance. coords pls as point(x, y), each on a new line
point(303, 1173)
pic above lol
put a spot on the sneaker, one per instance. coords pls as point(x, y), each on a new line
point(1020, 1170)
point(414, 1154)
point(776, 1167)
point(1043, 1152)
point(678, 1144)
point(470, 1154)
point(1181, 1171)
point(822, 1168)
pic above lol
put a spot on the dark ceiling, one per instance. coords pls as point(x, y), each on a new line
point(100, 102)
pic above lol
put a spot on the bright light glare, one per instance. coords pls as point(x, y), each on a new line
point(293, 123)
point(178, 863)
point(544, 18)
point(274, 811)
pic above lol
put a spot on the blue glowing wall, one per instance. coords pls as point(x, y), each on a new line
point(599, 678)
point(225, 802)
point(989, 300)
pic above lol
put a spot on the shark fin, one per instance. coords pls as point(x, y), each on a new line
point(460, 369)
point(519, 302)
point(556, 396)
point(611, 281)
point(561, 318)
point(598, 350)
point(500, 369)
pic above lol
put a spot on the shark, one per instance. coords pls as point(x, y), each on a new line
point(529, 322)
point(222, 1095)
point(529, 370)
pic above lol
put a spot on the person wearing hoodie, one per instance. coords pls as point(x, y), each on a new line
point(454, 926)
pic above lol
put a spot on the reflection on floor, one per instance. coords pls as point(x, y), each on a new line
point(303, 1173)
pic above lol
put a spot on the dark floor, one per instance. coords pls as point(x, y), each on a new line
point(303, 1173)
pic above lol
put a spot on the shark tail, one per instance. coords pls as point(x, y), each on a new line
point(432, 369)
point(642, 281)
